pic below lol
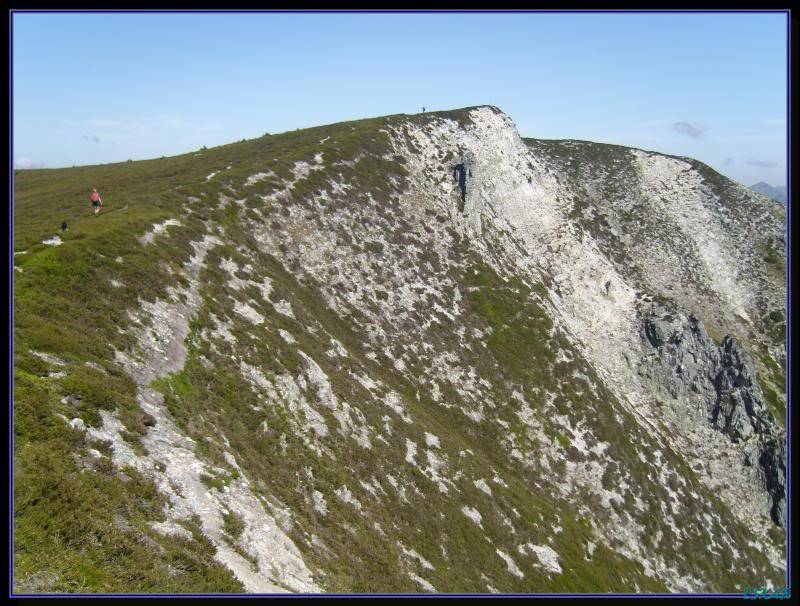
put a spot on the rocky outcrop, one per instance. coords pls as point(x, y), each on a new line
point(604, 228)
point(738, 409)
point(721, 380)
point(773, 465)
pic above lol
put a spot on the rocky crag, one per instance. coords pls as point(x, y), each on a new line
point(686, 365)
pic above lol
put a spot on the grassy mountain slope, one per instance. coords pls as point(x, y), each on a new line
point(315, 333)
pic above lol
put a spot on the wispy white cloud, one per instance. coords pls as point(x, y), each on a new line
point(104, 123)
point(105, 137)
point(142, 126)
point(761, 163)
point(26, 162)
point(694, 130)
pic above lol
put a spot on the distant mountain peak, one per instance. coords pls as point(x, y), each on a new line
point(777, 193)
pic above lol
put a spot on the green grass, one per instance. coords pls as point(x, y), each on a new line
point(87, 529)
point(233, 524)
point(65, 305)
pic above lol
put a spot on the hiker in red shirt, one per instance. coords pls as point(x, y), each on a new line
point(96, 201)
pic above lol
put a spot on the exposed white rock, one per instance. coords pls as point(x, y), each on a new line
point(319, 503)
point(345, 496)
point(287, 336)
point(422, 582)
point(248, 312)
point(483, 486)
point(472, 513)
point(512, 566)
point(412, 554)
point(498, 480)
point(548, 558)
point(49, 358)
point(252, 179)
point(336, 350)
point(431, 440)
point(284, 307)
point(393, 401)
point(265, 286)
point(158, 228)
point(411, 452)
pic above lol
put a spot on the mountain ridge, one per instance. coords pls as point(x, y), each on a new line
point(334, 298)
point(776, 192)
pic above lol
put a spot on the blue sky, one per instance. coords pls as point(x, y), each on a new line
point(92, 88)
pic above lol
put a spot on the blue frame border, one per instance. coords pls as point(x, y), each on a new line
point(12, 11)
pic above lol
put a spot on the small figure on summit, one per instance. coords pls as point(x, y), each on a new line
point(423, 109)
point(96, 201)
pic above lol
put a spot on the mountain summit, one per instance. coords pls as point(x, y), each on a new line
point(416, 353)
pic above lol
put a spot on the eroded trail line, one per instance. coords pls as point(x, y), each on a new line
point(263, 557)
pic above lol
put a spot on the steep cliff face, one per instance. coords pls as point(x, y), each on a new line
point(611, 231)
point(415, 353)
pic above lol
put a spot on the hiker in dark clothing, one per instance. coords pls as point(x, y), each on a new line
point(64, 226)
